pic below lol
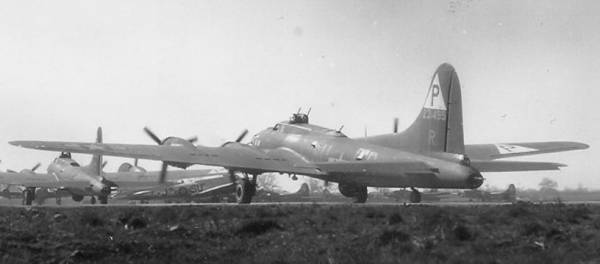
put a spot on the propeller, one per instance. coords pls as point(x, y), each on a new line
point(165, 165)
point(37, 166)
point(395, 125)
point(152, 135)
point(158, 141)
point(242, 136)
point(104, 164)
point(163, 170)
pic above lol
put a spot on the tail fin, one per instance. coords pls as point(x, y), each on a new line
point(439, 125)
point(96, 163)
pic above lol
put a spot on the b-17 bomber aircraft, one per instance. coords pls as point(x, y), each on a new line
point(67, 178)
point(429, 154)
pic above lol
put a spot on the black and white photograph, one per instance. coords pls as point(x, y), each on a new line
point(299, 131)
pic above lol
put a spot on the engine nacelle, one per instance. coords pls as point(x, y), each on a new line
point(128, 167)
point(103, 187)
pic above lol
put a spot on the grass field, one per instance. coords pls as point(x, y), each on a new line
point(521, 233)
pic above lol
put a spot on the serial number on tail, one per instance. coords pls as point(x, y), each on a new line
point(434, 114)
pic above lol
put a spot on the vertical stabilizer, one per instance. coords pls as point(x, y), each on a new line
point(96, 163)
point(438, 127)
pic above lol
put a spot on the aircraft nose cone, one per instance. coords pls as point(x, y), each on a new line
point(475, 180)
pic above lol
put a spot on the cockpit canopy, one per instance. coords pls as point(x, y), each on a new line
point(66, 161)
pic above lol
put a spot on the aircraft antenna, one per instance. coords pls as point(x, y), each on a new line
point(340, 130)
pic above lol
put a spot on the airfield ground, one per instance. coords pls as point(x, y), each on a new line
point(302, 233)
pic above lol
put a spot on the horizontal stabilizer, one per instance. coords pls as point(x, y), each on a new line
point(506, 150)
point(504, 166)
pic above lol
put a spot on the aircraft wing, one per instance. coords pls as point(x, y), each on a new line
point(505, 150)
point(42, 180)
point(232, 156)
point(505, 166)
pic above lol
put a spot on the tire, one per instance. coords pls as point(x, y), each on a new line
point(361, 195)
point(29, 195)
point(103, 199)
point(77, 198)
point(357, 192)
point(415, 197)
point(244, 190)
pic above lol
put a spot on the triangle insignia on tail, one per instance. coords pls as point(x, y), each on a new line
point(435, 98)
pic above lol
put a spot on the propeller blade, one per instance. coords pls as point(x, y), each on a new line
point(36, 167)
point(163, 173)
point(152, 135)
point(242, 136)
point(396, 125)
point(104, 164)
point(135, 162)
point(192, 139)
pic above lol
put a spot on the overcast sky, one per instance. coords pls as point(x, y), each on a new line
point(529, 71)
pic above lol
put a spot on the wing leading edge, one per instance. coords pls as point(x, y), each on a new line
point(232, 156)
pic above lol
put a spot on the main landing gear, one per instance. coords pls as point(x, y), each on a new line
point(103, 199)
point(415, 196)
point(358, 192)
point(244, 190)
point(28, 195)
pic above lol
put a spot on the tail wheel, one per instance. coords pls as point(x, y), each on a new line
point(244, 190)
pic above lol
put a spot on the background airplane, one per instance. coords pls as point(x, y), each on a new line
point(509, 195)
point(209, 188)
point(65, 177)
point(429, 154)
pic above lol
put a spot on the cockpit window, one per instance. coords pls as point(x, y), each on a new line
point(292, 129)
point(74, 164)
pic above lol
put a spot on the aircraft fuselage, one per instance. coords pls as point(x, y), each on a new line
point(318, 144)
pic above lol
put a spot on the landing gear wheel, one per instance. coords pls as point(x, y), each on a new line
point(77, 198)
point(103, 199)
point(361, 195)
point(93, 200)
point(244, 190)
point(415, 196)
point(29, 195)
